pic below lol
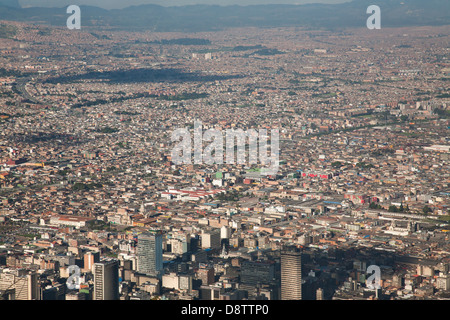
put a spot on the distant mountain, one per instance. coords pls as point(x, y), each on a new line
point(10, 3)
point(120, 4)
point(394, 13)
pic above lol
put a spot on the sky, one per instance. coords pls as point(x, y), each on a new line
point(118, 4)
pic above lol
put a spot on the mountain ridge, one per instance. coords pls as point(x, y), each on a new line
point(10, 3)
point(193, 18)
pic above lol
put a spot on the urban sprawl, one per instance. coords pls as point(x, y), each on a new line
point(87, 178)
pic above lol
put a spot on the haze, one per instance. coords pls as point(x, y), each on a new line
point(118, 4)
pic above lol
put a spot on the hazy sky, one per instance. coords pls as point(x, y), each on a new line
point(115, 4)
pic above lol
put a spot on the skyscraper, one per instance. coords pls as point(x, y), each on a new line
point(291, 274)
point(260, 274)
point(106, 280)
point(20, 284)
point(257, 272)
point(149, 251)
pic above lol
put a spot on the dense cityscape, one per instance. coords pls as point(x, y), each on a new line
point(93, 207)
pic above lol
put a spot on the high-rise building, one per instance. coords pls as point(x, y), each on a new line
point(54, 292)
point(23, 282)
point(8, 294)
point(259, 274)
point(89, 259)
point(150, 260)
point(225, 232)
point(211, 239)
point(291, 274)
point(186, 282)
point(206, 275)
point(443, 282)
point(179, 243)
point(319, 294)
point(106, 280)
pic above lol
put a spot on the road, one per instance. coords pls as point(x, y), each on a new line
point(21, 88)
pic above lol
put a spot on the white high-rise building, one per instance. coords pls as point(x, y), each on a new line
point(291, 274)
point(225, 232)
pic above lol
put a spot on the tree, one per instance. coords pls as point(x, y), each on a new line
point(404, 117)
point(374, 205)
point(426, 209)
point(336, 164)
point(393, 208)
point(79, 186)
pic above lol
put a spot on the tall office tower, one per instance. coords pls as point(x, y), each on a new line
point(211, 239)
point(225, 232)
point(89, 259)
point(106, 280)
point(319, 294)
point(150, 260)
point(291, 274)
point(20, 284)
point(259, 274)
